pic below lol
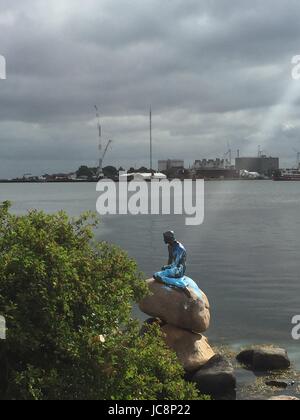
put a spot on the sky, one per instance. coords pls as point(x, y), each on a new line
point(217, 74)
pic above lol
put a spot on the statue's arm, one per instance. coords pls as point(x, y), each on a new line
point(180, 258)
point(170, 260)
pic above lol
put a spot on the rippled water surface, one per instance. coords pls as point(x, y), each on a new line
point(246, 255)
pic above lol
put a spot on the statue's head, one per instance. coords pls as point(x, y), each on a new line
point(169, 237)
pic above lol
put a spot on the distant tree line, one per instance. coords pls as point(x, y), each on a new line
point(109, 171)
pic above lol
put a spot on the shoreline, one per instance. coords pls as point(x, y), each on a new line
point(95, 182)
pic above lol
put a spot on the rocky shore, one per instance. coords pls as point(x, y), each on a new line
point(184, 318)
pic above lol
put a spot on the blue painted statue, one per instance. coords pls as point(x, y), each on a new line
point(173, 274)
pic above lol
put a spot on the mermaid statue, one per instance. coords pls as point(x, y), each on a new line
point(173, 274)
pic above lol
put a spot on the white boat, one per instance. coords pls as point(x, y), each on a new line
point(138, 177)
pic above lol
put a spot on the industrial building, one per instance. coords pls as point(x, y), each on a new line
point(263, 165)
point(214, 169)
point(210, 164)
point(215, 173)
point(167, 165)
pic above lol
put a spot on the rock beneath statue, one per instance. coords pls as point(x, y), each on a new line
point(217, 379)
point(193, 350)
point(265, 359)
point(174, 307)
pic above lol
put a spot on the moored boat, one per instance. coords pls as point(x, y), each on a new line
point(287, 175)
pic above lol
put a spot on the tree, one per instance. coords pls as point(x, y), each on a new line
point(144, 170)
point(85, 171)
point(68, 302)
point(110, 172)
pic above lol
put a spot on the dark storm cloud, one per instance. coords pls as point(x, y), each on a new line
point(214, 72)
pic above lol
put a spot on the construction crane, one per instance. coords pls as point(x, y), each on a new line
point(100, 169)
point(298, 158)
point(260, 152)
point(228, 157)
point(101, 155)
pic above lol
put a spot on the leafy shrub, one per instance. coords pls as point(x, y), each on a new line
point(68, 303)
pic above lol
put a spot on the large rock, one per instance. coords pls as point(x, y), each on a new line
point(216, 378)
point(265, 359)
point(175, 308)
point(277, 384)
point(193, 350)
point(283, 398)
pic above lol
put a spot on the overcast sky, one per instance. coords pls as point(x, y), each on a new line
point(216, 72)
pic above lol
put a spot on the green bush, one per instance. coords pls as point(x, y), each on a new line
point(68, 303)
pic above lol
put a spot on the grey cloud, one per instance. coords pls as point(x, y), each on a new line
point(213, 71)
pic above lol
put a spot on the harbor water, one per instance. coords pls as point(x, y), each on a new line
point(245, 256)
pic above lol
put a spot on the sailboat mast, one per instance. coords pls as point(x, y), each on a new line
point(100, 140)
point(151, 147)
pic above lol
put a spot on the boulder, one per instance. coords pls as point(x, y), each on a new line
point(193, 350)
point(277, 384)
point(216, 378)
point(174, 307)
point(283, 398)
point(265, 359)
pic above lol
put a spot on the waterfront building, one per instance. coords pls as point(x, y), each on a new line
point(210, 164)
point(170, 164)
point(263, 165)
point(214, 169)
